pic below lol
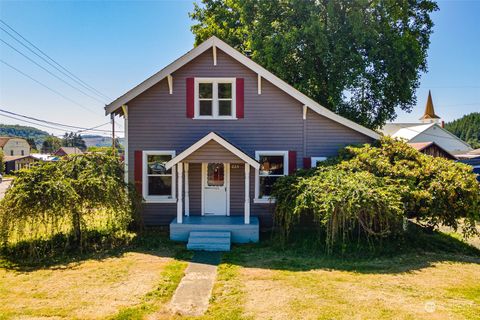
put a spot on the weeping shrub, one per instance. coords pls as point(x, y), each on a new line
point(77, 196)
point(342, 205)
point(439, 192)
point(368, 190)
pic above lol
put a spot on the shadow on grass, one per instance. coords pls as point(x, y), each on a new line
point(416, 250)
point(58, 252)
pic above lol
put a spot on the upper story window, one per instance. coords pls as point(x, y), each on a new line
point(11, 152)
point(215, 98)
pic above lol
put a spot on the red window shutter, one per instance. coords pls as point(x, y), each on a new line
point(240, 97)
point(307, 163)
point(137, 172)
point(190, 97)
point(292, 161)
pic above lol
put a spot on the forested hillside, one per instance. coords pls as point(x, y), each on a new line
point(23, 132)
point(467, 128)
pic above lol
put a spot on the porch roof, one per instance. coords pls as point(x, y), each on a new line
point(221, 141)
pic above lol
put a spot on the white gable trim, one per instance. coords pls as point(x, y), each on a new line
point(215, 137)
point(262, 72)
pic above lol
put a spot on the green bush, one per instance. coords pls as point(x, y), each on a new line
point(340, 203)
point(439, 191)
point(368, 191)
point(73, 197)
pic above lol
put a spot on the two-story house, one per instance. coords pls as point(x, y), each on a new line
point(207, 137)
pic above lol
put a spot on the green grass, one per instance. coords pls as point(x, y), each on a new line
point(396, 280)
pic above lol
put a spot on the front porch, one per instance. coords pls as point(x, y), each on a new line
point(213, 183)
point(240, 232)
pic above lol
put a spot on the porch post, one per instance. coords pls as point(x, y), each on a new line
point(247, 193)
point(180, 193)
point(187, 195)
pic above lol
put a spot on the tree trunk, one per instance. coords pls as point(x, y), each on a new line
point(77, 228)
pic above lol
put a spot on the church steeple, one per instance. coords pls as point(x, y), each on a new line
point(429, 116)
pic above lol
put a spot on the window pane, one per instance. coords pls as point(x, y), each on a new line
point(156, 164)
point(225, 108)
point(160, 186)
point(205, 90)
point(271, 165)
point(215, 174)
point(206, 108)
point(224, 90)
point(266, 184)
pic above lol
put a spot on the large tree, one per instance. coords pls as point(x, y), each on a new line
point(74, 140)
point(361, 59)
point(51, 144)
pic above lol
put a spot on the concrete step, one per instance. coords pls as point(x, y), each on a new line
point(209, 241)
point(210, 234)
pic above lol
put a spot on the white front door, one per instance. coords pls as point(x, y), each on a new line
point(215, 184)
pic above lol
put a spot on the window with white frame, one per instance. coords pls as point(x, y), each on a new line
point(273, 165)
point(158, 182)
point(215, 98)
point(316, 160)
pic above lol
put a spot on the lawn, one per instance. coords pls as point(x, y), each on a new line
point(427, 277)
point(438, 277)
point(116, 284)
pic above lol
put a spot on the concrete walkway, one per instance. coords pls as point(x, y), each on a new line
point(194, 291)
point(4, 186)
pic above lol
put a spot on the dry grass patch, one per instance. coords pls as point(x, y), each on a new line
point(430, 293)
point(91, 289)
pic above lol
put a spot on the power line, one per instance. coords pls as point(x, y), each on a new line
point(48, 71)
point(53, 123)
point(86, 85)
point(56, 128)
point(51, 64)
point(45, 86)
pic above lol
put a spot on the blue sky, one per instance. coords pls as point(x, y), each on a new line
point(113, 46)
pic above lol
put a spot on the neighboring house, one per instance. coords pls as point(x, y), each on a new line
point(14, 163)
point(429, 130)
point(471, 158)
point(208, 135)
point(12, 146)
point(65, 151)
point(432, 149)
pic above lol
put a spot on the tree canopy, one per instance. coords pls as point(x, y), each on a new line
point(361, 59)
point(467, 128)
point(74, 140)
point(51, 144)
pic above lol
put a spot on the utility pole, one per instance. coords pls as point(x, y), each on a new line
point(112, 116)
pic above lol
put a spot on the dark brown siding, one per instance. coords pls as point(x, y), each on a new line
point(272, 121)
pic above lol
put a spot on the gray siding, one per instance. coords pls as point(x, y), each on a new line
point(273, 121)
point(212, 150)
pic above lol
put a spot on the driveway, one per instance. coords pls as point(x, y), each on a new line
point(4, 186)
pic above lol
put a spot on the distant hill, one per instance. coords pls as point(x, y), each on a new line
point(23, 132)
point(99, 141)
point(467, 128)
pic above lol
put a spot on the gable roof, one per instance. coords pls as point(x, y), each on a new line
point(217, 138)
point(69, 150)
point(419, 146)
point(262, 72)
point(409, 131)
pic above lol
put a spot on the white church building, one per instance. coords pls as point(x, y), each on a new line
point(430, 129)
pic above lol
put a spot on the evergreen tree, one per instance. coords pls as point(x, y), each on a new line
point(51, 144)
point(467, 128)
